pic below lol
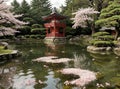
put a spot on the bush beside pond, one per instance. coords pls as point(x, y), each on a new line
point(32, 36)
point(3, 50)
point(101, 41)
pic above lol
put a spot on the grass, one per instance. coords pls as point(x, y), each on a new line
point(4, 51)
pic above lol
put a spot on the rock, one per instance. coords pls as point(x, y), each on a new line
point(93, 48)
point(118, 39)
point(108, 48)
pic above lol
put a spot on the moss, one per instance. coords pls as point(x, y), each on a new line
point(99, 75)
point(116, 82)
point(3, 51)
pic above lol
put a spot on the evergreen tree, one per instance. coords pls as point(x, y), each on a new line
point(110, 16)
point(74, 5)
point(40, 8)
point(99, 4)
point(25, 8)
point(16, 7)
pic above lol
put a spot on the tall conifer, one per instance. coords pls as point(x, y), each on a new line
point(40, 8)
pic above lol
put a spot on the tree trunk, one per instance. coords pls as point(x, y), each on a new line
point(93, 28)
point(116, 35)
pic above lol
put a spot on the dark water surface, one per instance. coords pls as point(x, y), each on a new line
point(23, 73)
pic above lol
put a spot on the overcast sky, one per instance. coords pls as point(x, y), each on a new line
point(55, 3)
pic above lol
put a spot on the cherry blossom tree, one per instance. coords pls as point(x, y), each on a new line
point(7, 17)
point(82, 16)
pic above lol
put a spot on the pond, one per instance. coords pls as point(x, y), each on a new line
point(24, 73)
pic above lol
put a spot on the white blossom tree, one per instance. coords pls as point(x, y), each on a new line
point(6, 17)
point(82, 16)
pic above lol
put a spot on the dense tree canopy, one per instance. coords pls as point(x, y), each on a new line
point(74, 5)
point(16, 7)
point(110, 16)
point(40, 8)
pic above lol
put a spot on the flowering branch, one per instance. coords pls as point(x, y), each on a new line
point(8, 17)
point(82, 16)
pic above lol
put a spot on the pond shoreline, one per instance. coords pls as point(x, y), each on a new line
point(13, 54)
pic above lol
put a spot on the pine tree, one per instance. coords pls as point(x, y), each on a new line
point(25, 8)
point(74, 5)
point(40, 8)
point(16, 7)
point(110, 16)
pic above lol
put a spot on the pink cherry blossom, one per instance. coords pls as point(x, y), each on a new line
point(6, 16)
point(82, 16)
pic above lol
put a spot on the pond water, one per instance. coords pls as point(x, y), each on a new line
point(24, 73)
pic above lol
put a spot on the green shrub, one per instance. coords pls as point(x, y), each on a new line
point(100, 34)
point(69, 36)
point(42, 36)
point(33, 36)
point(70, 31)
point(27, 36)
point(30, 20)
point(93, 41)
point(103, 43)
point(102, 39)
point(106, 38)
point(24, 30)
point(38, 31)
point(36, 26)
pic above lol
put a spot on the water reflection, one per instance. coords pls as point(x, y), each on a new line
point(108, 67)
point(24, 80)
point(54, 49)
point(34, 75)
point(7, 72)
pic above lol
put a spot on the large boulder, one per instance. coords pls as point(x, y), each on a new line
point(98, 49)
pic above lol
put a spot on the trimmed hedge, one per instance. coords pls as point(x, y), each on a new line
point(103, 43)
point(102, 39)
point(36, 26)
point(35, 36)
point(100, 34)
point(106, 38)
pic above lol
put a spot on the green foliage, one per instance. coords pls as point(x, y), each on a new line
point(38, 30)
point(24, 30)
point(69, 30)
point(100, 34)
point(40, 8)
point(16, 7)
point(102, 39)
point(73, 5)
point(110, 16)
point(29, 20)
point(35, 36)
point(36, 26)
point(3, 51)
point(69, 36)
point(103, 43)
point(25, 8)
point(106, 38)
